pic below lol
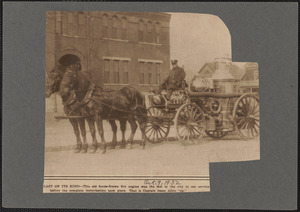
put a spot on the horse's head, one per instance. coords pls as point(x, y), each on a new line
point(53, 80)
point(68, 83)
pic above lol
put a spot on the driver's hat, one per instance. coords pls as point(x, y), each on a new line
point(174, 62)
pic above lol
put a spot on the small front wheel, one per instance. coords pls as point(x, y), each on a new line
point(157, 126)
point(189, 124)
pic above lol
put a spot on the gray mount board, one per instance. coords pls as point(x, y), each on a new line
point(265, 33)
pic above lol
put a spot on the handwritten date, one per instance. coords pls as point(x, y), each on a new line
point(162, 182)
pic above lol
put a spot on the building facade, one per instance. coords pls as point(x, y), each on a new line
point(250, 81)
point(117, 48)
point(246, 76)
point(203, 79)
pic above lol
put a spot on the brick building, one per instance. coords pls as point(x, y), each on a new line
point(117, 48)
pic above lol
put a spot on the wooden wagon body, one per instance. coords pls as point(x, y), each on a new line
point(195, 114)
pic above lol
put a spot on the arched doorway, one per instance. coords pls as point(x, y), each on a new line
point(67, 60)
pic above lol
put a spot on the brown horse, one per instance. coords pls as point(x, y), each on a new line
point(53, 81)
point(98, 104)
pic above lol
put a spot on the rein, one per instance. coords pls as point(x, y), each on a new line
point(118, 109)
point(71, 100)
point(88, 97)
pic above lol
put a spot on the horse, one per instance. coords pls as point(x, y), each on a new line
point(100, 104)
point(53, 80)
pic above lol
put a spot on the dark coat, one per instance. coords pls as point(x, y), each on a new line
point(173, 81)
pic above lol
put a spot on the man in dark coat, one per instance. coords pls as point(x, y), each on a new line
point(173, 81)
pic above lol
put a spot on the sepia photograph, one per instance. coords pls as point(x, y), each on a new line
point(142, 102)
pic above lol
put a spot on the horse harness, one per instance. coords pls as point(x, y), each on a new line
point(88, 97)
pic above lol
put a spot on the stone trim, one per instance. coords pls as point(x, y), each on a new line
point(116, 58)
point(150, 61)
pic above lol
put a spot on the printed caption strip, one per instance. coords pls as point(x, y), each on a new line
point(126, 184)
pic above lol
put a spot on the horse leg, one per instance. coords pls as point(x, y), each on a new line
point(77, 134)
point(101, 132)
point(114, 129)
point(123, 129)
point(91, 124)
point(133, 125)
point(83, 134)
point(142, 122)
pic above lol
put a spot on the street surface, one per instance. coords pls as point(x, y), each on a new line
point(167, 158)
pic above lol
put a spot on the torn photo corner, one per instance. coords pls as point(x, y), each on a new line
point(142, 102)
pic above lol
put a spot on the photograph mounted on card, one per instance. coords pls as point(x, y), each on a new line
point(142, 102)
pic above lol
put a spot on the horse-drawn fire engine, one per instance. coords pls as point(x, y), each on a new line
point(194, 114)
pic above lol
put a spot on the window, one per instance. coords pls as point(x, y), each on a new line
point(64, 23)
point(125, 72)
point(105, 26)
point(142, 74)
point(149, 78)
point(70, 23)
point(124, 29)
point(58, 22)
point(157, 32)
point(75, 24)
point(149, 32)
point(116, 71)
point(141, 31)
point(106, 71)
point(81, 25)
point(115, 27)
point(81, 19)
point(157, 71)
point(149, 73)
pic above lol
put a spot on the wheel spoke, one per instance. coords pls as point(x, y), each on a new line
point(197, 116)
point(244, 125)
point(148, 129)
point(242, 121)
point(252, 105)
point(183, 116)
point(156, 133)
point(188, 113)
point(180, 121)
point(254, 111)
point(255, 130)
point(162, 130)
point(197, 130)
point(160, 133)
point(180, 131)
point(151, 133)
point(195, 112)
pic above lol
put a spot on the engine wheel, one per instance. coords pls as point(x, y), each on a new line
point(189, 124)
point(246, 116)
point(157, 126)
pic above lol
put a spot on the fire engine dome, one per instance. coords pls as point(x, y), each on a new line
point(224, 82)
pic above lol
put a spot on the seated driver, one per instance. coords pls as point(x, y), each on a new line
point(173, 81)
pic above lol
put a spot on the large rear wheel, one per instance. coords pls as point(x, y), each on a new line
point(189, 124)
point(246, 116)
